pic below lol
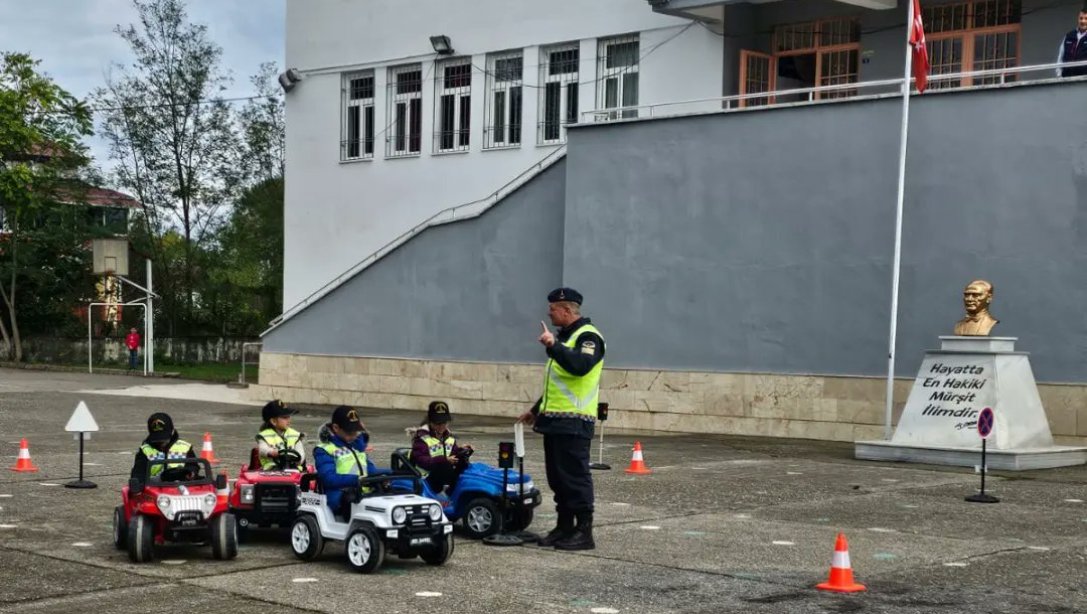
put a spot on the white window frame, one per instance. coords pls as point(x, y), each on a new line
point(457, 136)
point(404, 124)
point(504, 127)
point(567, 83)
point(359, 107)
point(618, 82)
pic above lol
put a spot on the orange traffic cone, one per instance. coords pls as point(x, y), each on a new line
point(637, 464)
point(208, 453)
point(24, 463)
point(841, 573)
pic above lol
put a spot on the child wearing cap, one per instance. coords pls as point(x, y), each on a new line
point(276, 438)
point(434, 449)
point(162, 442)
point(341, 459)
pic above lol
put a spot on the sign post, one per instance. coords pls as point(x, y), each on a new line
point(81, 422)
point(506, 451)
point(601, 417)
point(985, 428)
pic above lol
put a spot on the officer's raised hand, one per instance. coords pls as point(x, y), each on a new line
point(547, 338)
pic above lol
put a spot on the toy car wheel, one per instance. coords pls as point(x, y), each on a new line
point(306, 540)
point(480, 518)
point(120, 529)
point(365, 551)
point(141, 540)
point(224, 537)
point(443, 549)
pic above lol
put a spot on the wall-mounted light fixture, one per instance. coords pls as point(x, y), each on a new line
point(288, 78)
point(441, 44)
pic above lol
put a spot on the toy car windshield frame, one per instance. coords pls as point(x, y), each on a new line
point(156, 480)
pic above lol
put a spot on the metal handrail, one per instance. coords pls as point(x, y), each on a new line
point(726, 101)
point(445, 216)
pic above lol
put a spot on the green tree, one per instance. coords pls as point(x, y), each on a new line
point(41, 127)
point(173, 139)
point(250, 257)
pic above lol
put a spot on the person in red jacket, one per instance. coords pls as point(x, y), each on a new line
point(132, 342)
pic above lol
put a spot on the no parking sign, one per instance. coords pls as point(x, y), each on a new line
point(985, 423)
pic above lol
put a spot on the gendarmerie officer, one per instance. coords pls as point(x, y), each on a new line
point(566, 416)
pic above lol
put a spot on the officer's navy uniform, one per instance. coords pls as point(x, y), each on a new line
point(579, 352)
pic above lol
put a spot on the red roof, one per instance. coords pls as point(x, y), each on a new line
point(109, 198)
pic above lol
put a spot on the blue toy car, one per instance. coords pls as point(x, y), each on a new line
point(477, 498)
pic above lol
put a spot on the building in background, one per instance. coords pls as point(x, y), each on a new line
point(718, 179)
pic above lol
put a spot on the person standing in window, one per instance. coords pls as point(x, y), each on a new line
point(1074, 47)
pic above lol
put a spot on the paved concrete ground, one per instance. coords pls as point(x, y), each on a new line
point(722, 525)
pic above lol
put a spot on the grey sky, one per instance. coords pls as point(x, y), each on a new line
point(75, 42)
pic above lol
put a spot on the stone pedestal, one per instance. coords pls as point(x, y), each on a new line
point(939, 423)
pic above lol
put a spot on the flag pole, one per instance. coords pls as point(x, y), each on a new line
point(889, 409)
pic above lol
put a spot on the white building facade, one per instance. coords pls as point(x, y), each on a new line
point(383, 131)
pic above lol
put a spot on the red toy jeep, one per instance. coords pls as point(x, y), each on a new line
point(181, 504)
point(266, 497)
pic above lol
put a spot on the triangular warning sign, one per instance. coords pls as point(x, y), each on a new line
point(81, 421)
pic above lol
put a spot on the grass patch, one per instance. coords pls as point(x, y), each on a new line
point(211, 372)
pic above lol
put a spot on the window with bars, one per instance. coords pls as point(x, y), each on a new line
point(453, 108)
point(617, 74)
point(559, 67)
point(505, 85)
point(357, 135)
point(817, 54)
point(812, 35)
point(971, 36)
point(403, 136)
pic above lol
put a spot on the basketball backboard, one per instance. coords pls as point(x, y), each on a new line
point(110, 256)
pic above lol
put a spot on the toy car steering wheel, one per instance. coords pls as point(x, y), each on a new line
point(287, 459)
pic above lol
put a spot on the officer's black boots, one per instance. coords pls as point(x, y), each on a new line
point(582, 539)
point(564, 529)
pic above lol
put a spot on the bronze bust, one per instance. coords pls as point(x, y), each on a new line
point(976, 298)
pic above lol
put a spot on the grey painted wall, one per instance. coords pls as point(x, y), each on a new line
point(472, 290)
point(882, 32)
point(763, 241)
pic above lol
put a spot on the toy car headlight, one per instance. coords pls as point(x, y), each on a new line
point(163, 502)
point(247, 493)
point(435, 512)
point(209, 502)
point(516, 488)
point(399, 515)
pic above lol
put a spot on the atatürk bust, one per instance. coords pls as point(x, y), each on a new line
point(976, 298)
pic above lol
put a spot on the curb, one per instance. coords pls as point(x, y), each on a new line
point(31, 366)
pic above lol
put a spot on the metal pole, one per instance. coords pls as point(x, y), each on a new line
point(889, 409)
point(150, 351)
point(90, 361)
point(983, 441)
point(81, 459)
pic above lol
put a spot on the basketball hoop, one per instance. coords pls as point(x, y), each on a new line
point(110, 256)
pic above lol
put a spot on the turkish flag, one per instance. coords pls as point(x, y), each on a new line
point(920, 51)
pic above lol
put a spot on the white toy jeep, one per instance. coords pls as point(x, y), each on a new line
point(381, 522)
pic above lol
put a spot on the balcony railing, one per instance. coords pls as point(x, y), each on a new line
point(946, 82)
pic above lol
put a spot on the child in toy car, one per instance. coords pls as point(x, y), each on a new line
point(278, 445)
point(162, 442)
point(341, 459)
point(434, 449)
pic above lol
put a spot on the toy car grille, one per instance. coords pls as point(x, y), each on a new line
point(418, 518)
point(274, 497)
point(189, 503)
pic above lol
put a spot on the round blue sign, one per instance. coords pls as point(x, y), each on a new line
point(985, 423)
